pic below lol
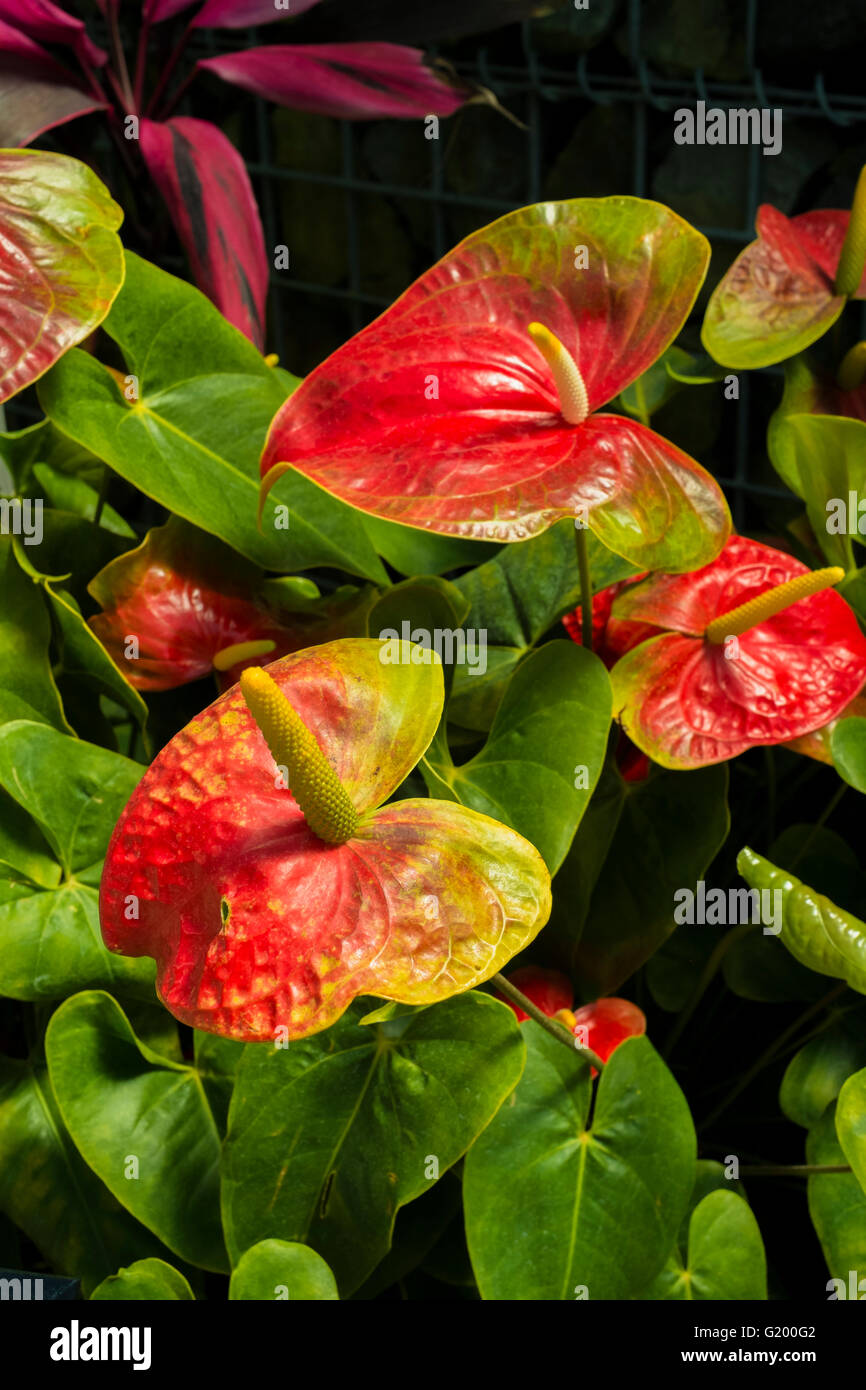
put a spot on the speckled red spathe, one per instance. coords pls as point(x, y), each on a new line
point(254, 922)
point(686, 703)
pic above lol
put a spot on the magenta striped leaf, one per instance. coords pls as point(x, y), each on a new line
point(240, 14)
point(36, 93)
point(358, 81)
point(208, 193)
point(48, 23)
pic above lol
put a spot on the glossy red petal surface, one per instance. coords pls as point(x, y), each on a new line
point(180, 614)
point(608, 1022)
point(686, 703)
point(257, 924)
point(444, 415)
point(549, 990)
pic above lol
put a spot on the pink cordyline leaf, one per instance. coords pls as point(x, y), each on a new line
point(39, 19)
point(354, 81)
point(207, 190)
point(242, 14)
point(155, 11)
point(36, 93)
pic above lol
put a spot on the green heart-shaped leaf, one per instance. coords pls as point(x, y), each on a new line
point(282, 1269)
point(848, 747)
point(851, 1123)
point(48, 1190)
point(192, 438)
point(329, 1137)
point(25, 636)
point(558, 1209)
point(70, 794)
point(515, 598)
point(815, 1075)
point(538, 769)
point(142, 1124)
point(837, 1206)
point(143, 1281)
point(725, 1257)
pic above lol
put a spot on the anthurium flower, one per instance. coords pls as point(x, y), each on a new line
point(267, 908)
point(757, 649)
point(472, 407)
point(600, 1027)
point(549, 990)
point(788, 287)
point(611, 637)
point(182, 606)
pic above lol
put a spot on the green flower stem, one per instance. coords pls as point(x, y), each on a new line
point(849, 271)
point(585, 586)
point(769, 1054)
point(555, 1030)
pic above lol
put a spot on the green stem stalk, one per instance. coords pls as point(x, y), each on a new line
point(555, 1030)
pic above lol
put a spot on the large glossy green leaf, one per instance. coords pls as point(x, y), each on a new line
point(638, 844)
point(73, 790)
point(817, 933)
point(193, 437)
point(848, 746)
point(329, 1137)
point(25, 635)
point(815, 1075)
point(282, 1269)
point(143, 1281)
point(81, 654)
point(141, 1122)
point(724, 1259)
point(539, 767)
point(47, 1189)
point(70, 793)
point(412, 551)
point(851, 1123)
point(555, 1204)
point(60, 258)
point(837, 1205)
point(825, 457)
point(515, 598)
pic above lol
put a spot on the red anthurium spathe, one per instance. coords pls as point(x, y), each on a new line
point(549, 990)
point(182, 606)
point(611, 637)
point(788, 287)
point(602, 1026)
point(271, 909)
point(757, 650)
point(471, 407)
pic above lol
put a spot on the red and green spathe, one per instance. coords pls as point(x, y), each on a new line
point(600, 1026)
point(753, 649)
point(472, 406)
point(266, 908)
